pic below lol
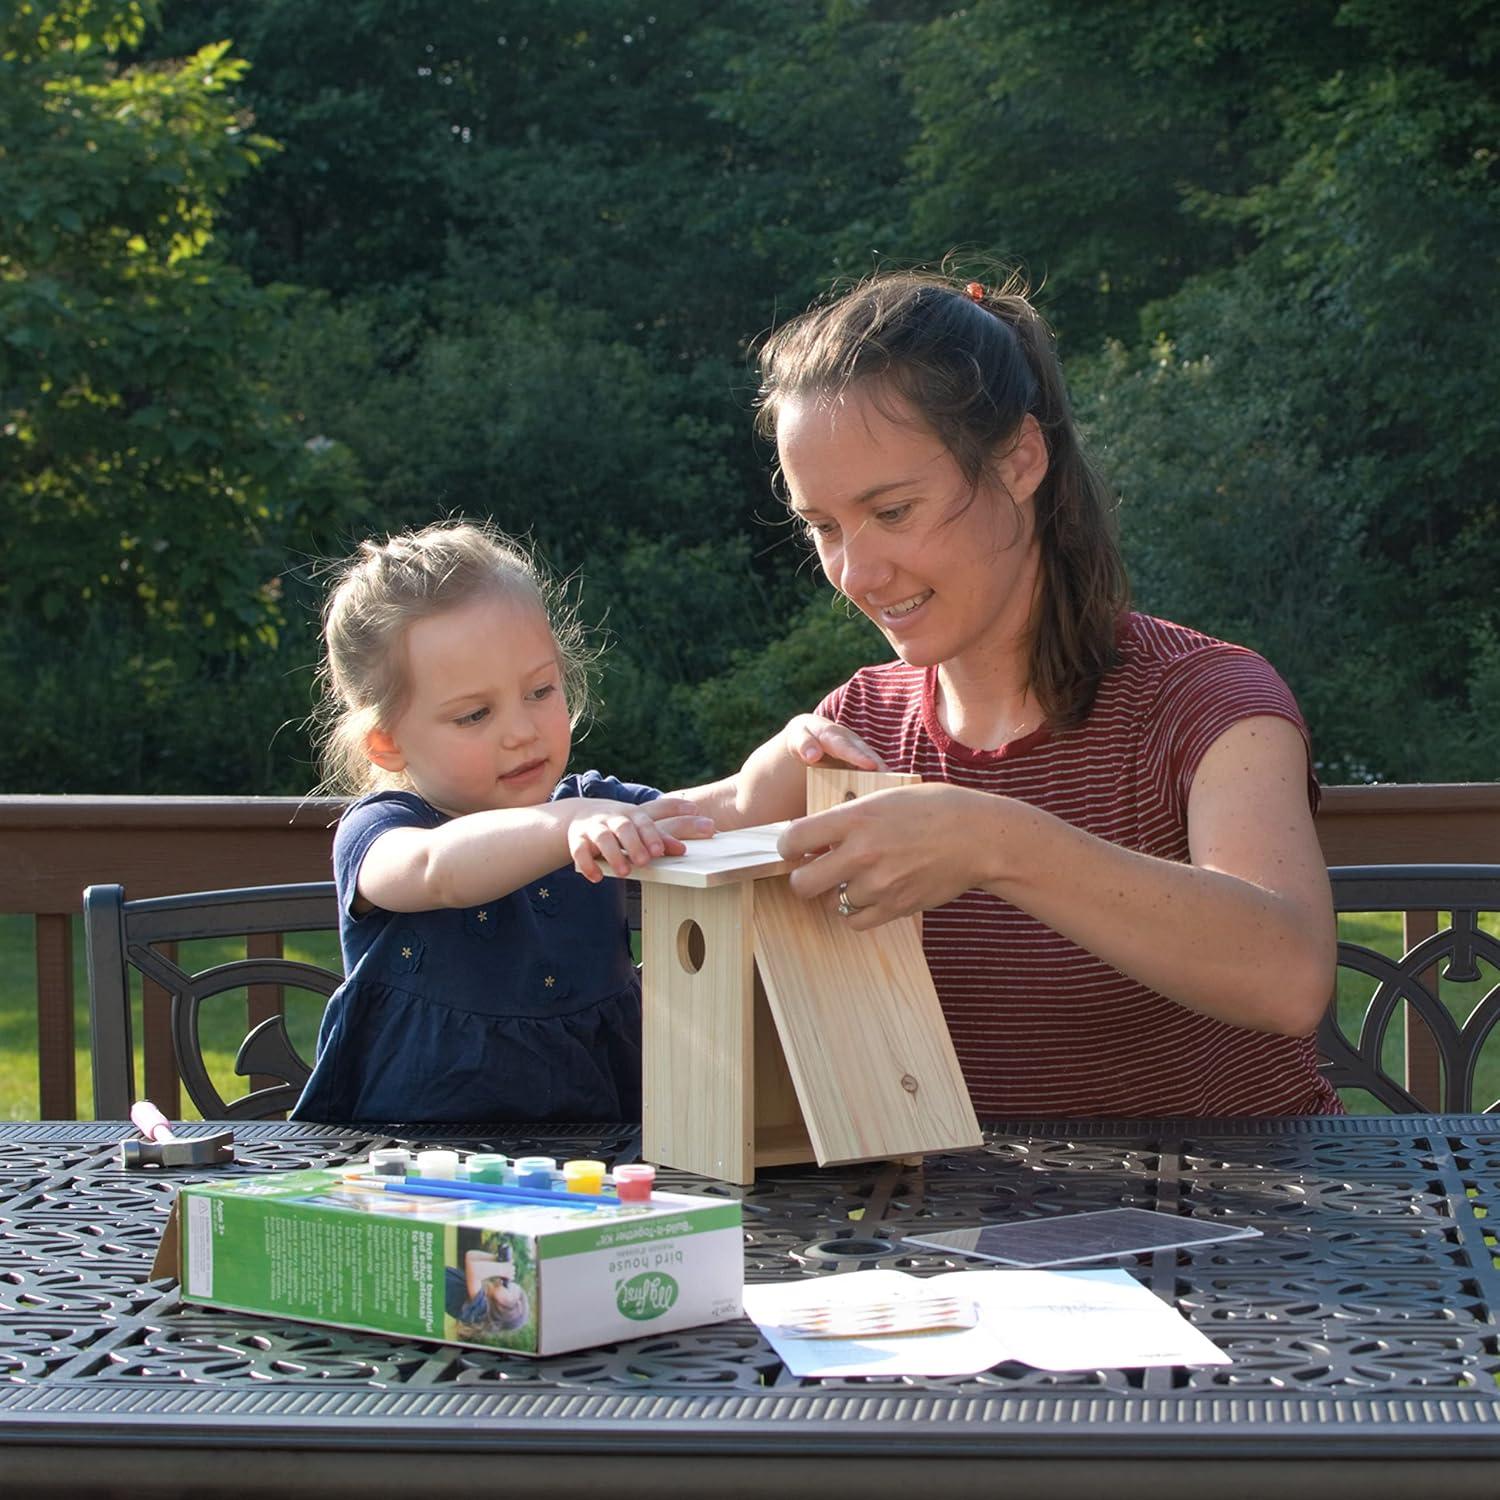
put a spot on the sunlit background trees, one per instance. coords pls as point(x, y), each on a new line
point(276, 274)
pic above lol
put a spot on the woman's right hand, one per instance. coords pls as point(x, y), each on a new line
point(809, 738)
point(623, 835)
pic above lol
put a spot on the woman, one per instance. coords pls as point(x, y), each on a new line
point(1127, 908)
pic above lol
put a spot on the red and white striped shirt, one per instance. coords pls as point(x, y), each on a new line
point(1042, 1027)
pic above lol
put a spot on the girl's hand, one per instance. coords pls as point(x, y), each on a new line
point(622, 835)
point(894, 852)
point(810, 739)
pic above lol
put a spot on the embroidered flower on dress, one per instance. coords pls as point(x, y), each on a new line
point(482, 921)
point(407, 955)
point(552, 985)
point(544, 898)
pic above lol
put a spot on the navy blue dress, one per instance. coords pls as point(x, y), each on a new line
point(527, 1008)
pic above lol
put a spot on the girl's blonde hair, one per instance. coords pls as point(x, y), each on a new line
point(379, 592)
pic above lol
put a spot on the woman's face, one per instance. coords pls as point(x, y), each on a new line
point(948, 576)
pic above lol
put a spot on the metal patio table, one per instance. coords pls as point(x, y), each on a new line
point(1362, 1327)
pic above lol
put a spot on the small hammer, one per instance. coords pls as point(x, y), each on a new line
point(163, 1149)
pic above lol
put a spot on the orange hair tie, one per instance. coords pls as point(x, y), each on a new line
point(975, 290)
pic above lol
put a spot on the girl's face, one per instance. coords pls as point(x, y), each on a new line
point(486, 724)
point(948, 580)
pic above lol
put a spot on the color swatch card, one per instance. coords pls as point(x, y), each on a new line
point(879, 1317)
point(1052, 1320)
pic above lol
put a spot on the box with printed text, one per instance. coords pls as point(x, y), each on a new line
point(527, 1278)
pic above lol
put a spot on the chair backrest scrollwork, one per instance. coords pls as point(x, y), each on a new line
point(122, 935)
point(1460, 952)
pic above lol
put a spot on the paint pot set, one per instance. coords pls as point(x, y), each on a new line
point(439, 1246)
point(533, 1179)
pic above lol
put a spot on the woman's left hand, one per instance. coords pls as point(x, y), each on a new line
point(893, 853)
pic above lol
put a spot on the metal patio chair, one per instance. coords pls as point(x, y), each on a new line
point(1442, 1054)
point(122, 935)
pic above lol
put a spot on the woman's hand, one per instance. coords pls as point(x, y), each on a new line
point(772, 784)
point(623, 835)
point(809, 739)
point(894, 852)
point(1252, 903)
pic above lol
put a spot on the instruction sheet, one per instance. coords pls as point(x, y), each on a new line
point(1052, 1320)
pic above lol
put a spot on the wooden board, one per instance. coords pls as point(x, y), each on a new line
point(698, 1050)
point(862, 1030)
point(744, 854)
point(781, 1136)
point(827, 786)
point(774, 1033)
point(750, 853)
point(858, 1018)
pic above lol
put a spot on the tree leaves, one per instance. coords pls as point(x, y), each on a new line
point(143, 462)
point(510, 261)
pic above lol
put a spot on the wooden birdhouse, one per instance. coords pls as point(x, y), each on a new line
point(773, 1033)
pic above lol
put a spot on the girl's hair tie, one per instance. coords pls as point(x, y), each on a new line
point(975, 291)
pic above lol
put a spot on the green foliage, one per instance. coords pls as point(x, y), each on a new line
point(1234, 516)
point(827, 642)
point(368, 99)
point(129, 711)
point(36, 29)
point(1306, 452)
point(678, 169)
point(1069, 137)
point(533, 415)
point(683, 697)
point(510, 261)
point(147, 473)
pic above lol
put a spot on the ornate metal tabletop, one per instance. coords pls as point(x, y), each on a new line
point(1362, 1328)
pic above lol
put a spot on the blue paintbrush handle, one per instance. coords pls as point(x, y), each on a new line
point(493, 1192)
point(515, 1190)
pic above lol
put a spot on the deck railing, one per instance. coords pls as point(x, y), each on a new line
point(52, 847)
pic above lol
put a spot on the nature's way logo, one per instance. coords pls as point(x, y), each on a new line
point(646, 1296)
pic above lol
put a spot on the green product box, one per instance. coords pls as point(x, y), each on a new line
point(528, 1279)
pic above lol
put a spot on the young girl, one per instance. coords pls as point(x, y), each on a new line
point(486, 980)
point(1127, 909)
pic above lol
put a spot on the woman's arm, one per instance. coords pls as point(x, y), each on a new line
point(1244, 933)
point(772, 784)
point(486, 855)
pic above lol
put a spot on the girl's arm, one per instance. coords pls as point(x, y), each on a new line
point(772, 784)
point(1244, 933)
point(486, 855)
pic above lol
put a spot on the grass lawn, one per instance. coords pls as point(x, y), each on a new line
point(223, 1019)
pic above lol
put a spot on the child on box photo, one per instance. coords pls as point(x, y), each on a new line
point(485, 1294)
